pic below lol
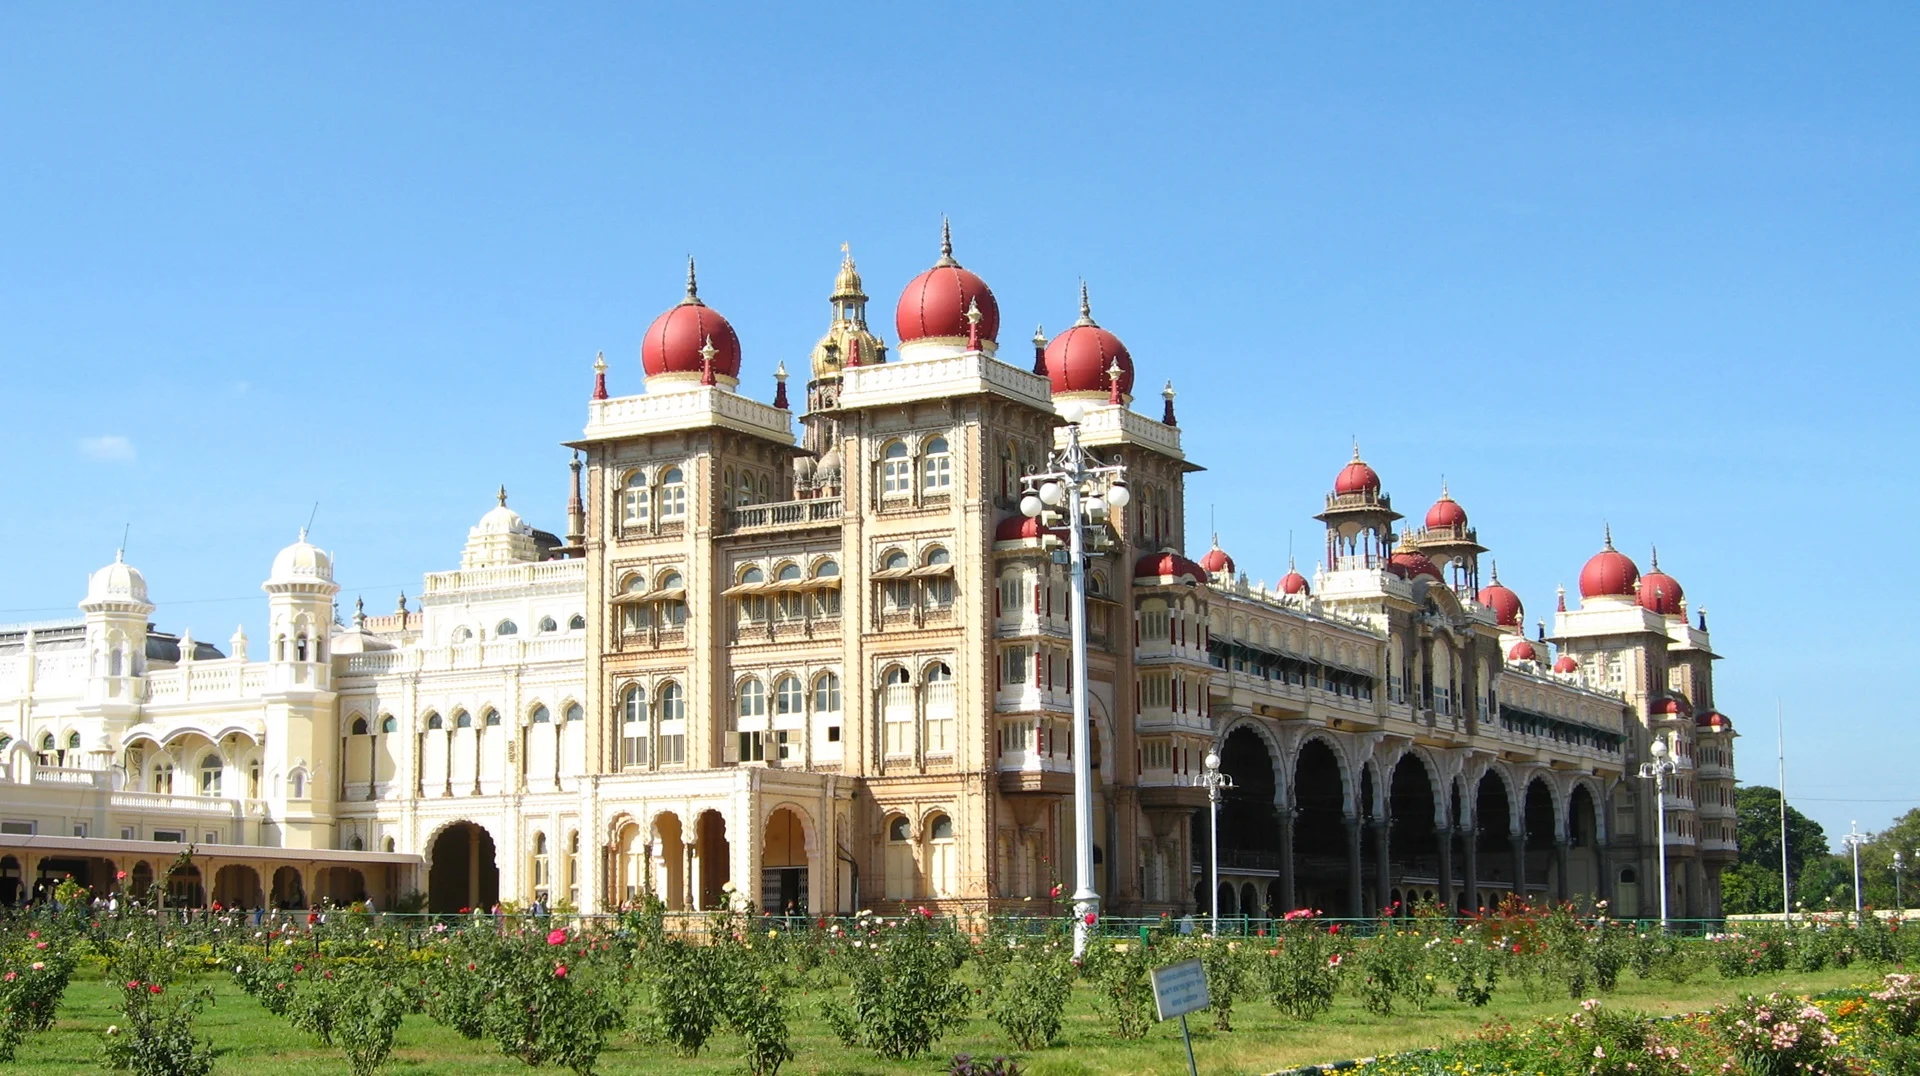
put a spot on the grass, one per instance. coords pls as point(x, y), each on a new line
point(249, 1041)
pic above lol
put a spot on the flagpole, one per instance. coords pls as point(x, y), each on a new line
point(1786, 883)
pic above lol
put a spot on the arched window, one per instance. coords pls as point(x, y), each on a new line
point(46, 742)
point(541, 716)
point(940, 584)
point(673, 735)
point(575, 712)
point(434, 721)
point(462, 719)
point(673, 606)
point(903, 875)
point(939, 707)
point(359, 727)
point(752, 574)
point(635, 501)
point(573, 868)
point(577, 623)
point(942, 862)
point(673, 494)
point(389, 724)
point(506, 627)
point(826, 693)
point(896, 470)
point(937, 673)
point(894, 561)
point(827, 569)
point(491, 717)
point(752, 699)
point(73, 741)
point(297, 784)
point(633, 726)
point(386, 844)
point(210, 767)
point(788, 698)
point(788, 573)
point(896, 592)
point(462, 634)
point(542, 880)
point(743, 491)
point(547, 624)
point(936, 468)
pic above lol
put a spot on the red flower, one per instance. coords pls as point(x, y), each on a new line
point(559, 971)
point(133, 984)
point(1056, 889)
point(1334, 929)
point(154, 989)
point(557, 937)
point(1091, 918)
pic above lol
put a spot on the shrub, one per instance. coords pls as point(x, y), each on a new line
point(968, 1065)
point(1473, 966)
point(1030, 995)
point(903, 997)
point(34, 972)
point(155, 1035)
point(683, 987)
point(1121, 974)
point(1777, 1035)
point(1303, 967)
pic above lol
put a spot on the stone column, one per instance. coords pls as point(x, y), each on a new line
point(1356, 900)
point(1470, 843)
point(1445, 835)
point(1562, 889)
point(1382, 867)
point(1519, 843)
point(1287, 897)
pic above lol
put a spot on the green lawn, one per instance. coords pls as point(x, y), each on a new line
point(246, 1037)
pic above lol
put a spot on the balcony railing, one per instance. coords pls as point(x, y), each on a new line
point(819, 511)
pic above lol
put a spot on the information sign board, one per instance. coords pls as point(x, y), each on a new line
point(1179, 989)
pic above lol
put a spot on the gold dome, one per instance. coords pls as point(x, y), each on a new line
point(846, 284)
point(849, 325)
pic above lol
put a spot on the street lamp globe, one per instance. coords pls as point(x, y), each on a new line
point(1213, 760)
point(1658, 749)
point(1031, 506)
point(1118, 496)
point(1096, 504)
point(1053, 494)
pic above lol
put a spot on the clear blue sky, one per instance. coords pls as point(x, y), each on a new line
point(1650, 264)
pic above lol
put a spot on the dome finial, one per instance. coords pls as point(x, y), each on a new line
point(707, 352)
point(1444, 494)
point(1656, 557)
point(1113, 383)
point(502, 496)
point(600, 376)
point(973, 324)
point(946, 242)
point(1494, 573)
point(1356, 448)
point(1166, 416)
point(1609, 532)
point(780, 387)
point(693, 286)
point(1086, 309)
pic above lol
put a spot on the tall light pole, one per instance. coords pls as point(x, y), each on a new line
point(1215, 782)
point(1854, 839)
point(1899, 895)
point(1073, 494)
point(1658, 771)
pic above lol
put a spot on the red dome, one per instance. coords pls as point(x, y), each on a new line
point(1661, 592)
point(1409, 563)
point(1356, 477)
point(1215, 560)
point(1566, 664)
point(1168, 565)
point(935, 302)
point(1714, 720)
point(1505, 604)
point(1669, 706)
point(1446, 512)
point(1294, 583)
point(1523, 651)
point(1018, 529)
point(1609, 573)
point(674, 341)
point(1078, 359)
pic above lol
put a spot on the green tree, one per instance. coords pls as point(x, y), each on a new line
point(1876, 862)
point(1753, 884)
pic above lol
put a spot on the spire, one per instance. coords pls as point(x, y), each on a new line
point(946, 244)
point(402, 610)
point(502, 495)
point(600, 376)
point(1086, 308)
point(359, 614)
point(846, 283)
point(707, 352)
point(1609, 530)
point(780, 387)
point(1493, 572)
point(1560, 605)
point(1040, 351)
point(1166, 418)
point(1656, 558)
point(1356, 450)
point(1113, 383)
point(693, 286)
point(973, 324)
point(576, 511)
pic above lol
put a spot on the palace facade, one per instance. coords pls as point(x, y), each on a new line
point(823, 656)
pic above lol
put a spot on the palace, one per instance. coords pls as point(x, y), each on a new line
point(826, 658)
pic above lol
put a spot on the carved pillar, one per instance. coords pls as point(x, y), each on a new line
point(1287, 899)
point(1562, 889)
point(1519, 843)
point(1470, 843)
point(1445, 835)
point(1356, 900)
point(1382, 866)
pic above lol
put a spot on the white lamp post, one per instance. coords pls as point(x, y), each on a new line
point(1854, 839)
point(1899, 894)
point(1658, 771)
point(1215, 782)
point(1076, 492)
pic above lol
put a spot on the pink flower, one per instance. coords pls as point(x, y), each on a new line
point(1055, 891)
point(37, 966)
point(1091, 918)
point(153, 988)
point(559, 971)
point(11, 976)
point(133, 984)
point(557, 937)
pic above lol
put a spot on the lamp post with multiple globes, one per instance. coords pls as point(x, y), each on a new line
point(1658, 771)
point(1074, 495)
point(1215, 782)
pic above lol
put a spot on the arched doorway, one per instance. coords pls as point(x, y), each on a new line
point(669, 843)
point(140, 883)
point(1583, 838)
point(346, 885)
point(1249, 829)
point(783, 865)
point(714, 853)
point(1492, 821)
point(1413, 838)
point(288, 890)
point(10, 882)
point(237, 885)
point(1537, 818)
point(1319, 829)
point(464, 872)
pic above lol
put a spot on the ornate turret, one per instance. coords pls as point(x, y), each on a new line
point(849, 325)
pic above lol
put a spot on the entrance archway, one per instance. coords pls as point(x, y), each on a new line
point(237, 885)
point(1413, 838)
point(288, 890)
point(715, 858)
point(783, 865)
point(1492, 822)
point(1319, 830)
point(464, 872)
point(1537, 817)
